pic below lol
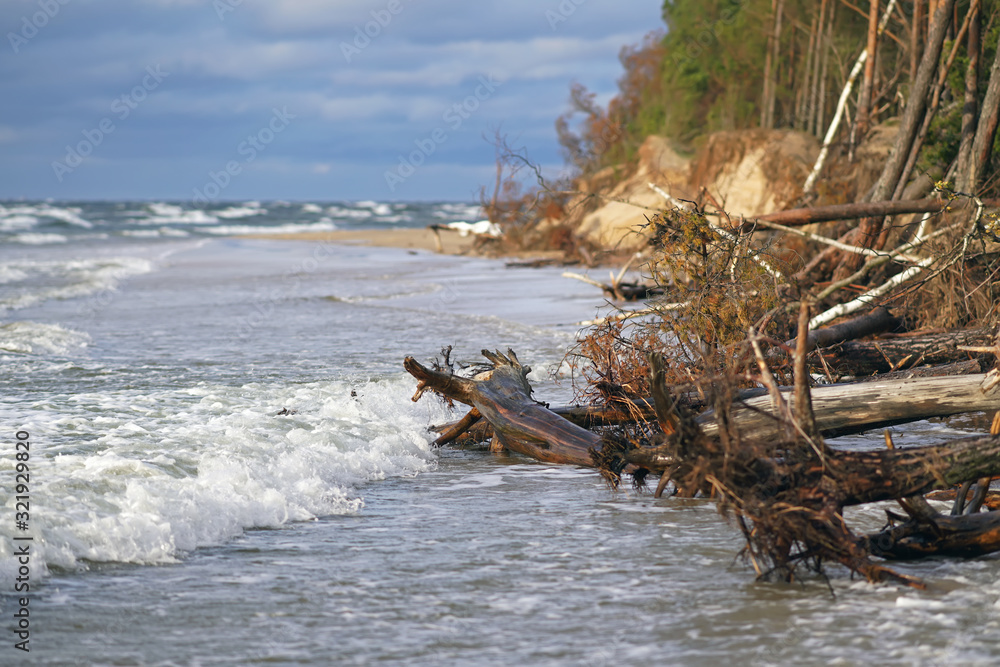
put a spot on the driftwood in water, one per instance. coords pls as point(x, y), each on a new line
point(586, 416)
point(966, 535)
point(966, 532)
point(895, 352)
point(503, 397)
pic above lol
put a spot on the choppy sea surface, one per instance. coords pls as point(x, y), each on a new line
point(226, 469)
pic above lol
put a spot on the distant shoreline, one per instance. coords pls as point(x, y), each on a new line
point(415, 238)
point(411, 238)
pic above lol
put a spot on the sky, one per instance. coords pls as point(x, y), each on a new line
point(292, 99)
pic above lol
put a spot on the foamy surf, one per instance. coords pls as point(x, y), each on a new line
point(36, 338)
point(131, 477)
point(30, 282)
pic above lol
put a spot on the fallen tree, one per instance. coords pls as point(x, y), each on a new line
point(840, 409)
point(764, 461)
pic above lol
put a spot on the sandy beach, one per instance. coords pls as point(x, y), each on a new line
point(416, 238)
point(451, 243)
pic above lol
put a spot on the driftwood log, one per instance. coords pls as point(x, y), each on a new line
point(895, 352)
point(503, 397)
point(842, 409)
point(966, 536)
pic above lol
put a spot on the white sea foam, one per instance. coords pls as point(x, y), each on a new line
point(38, 239)
point(167, 214)
point(349, 213)
point(30, 282)
point(37, 338)
point(69, 215)
point(248, 210)
point(311, 208)
point(25, 216)
point(162, 232)
point(9, 274)
point(324, 225)
point(377, 208)
point(142, 477)
point(15, 222)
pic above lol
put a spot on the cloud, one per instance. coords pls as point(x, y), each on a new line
point(228, 73)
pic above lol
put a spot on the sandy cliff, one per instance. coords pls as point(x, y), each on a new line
point(749, 172)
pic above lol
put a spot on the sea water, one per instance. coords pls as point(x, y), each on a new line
point(226, 469)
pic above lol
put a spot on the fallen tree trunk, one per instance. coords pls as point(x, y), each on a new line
point(970, 367)
point(891, 353)
point(843, 409)
point(585, 416)
point(798, 217)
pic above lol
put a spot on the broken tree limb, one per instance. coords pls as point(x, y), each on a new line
point(860, 302)
point(798, 217)
point(876, 321)
point(457, 429)
point(965, 532)
point(869, 297)
point(868, 252)
point(969, 367)
point(584, 416)
point(616, 289)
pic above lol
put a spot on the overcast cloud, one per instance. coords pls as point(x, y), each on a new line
point(297, 99)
